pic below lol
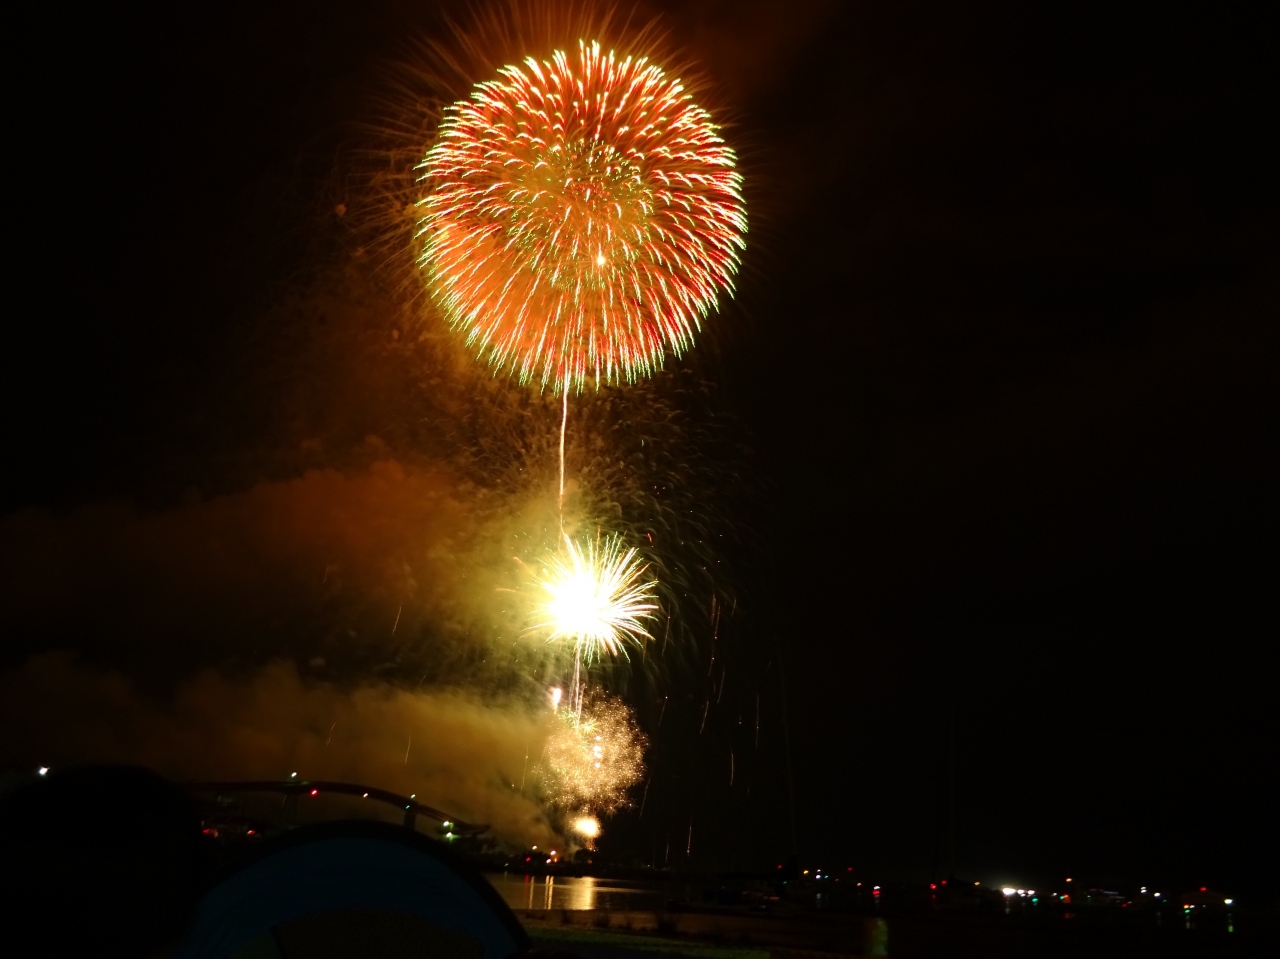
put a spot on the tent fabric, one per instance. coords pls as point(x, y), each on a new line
point(352, 866)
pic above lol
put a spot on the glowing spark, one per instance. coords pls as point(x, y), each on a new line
point(588, 826)
point(580, 217)
point(591, 762)
point(556, 694)
point(596, 595)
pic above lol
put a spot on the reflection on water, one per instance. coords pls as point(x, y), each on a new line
point(877, 938)
point(539, 893)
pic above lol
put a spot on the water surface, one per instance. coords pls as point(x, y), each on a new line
point(523, 892)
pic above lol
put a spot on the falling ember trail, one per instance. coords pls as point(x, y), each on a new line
point(564, 421)
point(399, 610)
point(406, 750)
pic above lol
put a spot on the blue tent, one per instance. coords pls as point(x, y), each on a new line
point(359, 890)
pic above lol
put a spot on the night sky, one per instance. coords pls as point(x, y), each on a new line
point(997, 377)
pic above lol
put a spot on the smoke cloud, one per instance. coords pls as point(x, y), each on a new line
point(378, 583)
point(461, 755)
point(359, 569)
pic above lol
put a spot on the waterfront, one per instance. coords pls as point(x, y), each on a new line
point(524, 893)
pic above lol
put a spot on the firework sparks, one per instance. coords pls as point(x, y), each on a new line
point(580, 218)
point(596, 595)
point(587, 826)
point(591, 762)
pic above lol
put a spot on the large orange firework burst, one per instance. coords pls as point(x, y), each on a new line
point(579, 219)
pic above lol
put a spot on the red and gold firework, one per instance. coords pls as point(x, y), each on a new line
point(580, 217)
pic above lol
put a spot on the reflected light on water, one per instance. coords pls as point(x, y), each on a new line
point(582, 895)
point(545, 893)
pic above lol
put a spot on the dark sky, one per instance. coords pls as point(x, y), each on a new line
point(1000, 356)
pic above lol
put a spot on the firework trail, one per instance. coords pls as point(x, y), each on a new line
point(580, 217)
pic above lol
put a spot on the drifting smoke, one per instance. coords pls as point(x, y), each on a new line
point(385, 584)
point(456, 753)
point(324, 558)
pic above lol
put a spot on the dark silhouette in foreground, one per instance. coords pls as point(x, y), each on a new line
point(99, 861)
